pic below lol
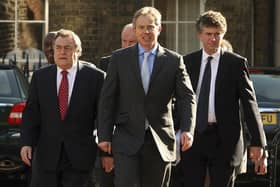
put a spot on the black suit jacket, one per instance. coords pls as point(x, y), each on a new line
point(233, 84)
point(43, 128)
point(123, 102)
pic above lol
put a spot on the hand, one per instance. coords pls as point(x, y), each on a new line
point(105, 146)
point(107, 163)
point(255, 153)
point(261, 166)
point(186, 140)
point(26, 154)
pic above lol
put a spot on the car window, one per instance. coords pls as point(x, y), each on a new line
point(23, 83)
point(8, 86)
point(267, 87)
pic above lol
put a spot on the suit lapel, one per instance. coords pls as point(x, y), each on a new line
point(53, 96)
point(196, 68)
point(134, 62)
point(158, 64)
point(75, 88)
point(221, 71)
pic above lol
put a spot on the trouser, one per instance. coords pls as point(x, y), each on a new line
point(206, 153)
point(64, 176)
point(144, 169)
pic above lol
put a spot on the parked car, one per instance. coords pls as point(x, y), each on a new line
point(267, 87)
point(13, 94)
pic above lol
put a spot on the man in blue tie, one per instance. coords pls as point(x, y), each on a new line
point(136, 97)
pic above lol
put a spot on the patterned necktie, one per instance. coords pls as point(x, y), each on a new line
point(145, 72)
point(203, 100)
point(63, 94)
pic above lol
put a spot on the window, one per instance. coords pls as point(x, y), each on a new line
point(23, 24)
point(178, 22)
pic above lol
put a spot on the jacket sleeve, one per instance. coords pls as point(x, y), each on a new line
point(107, 103)
point(185, 99)
point(31, 116)
point(250, 107)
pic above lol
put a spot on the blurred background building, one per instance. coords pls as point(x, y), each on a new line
point(253, 25)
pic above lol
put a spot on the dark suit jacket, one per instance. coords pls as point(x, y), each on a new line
point(123, 102)
point(104, 63)
point(43, 128)
point(233, 84)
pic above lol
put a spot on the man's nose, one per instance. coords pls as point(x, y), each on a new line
point(147, 30)
point(213, 37)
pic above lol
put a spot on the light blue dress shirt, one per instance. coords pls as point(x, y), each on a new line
point(151, 57)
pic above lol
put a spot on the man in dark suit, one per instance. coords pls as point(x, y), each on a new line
point(221, 80)
point(136, 97)
point(59, 116)
point(48, 46)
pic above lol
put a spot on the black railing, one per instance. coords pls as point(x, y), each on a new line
point(26, 65)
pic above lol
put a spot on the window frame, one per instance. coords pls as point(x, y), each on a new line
point(17, 21)
point(177, 21)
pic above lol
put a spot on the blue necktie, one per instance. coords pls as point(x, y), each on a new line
point(203, 100)
point(145, 72)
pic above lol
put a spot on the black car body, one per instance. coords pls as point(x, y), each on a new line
point(267, 87)
point(13, 94)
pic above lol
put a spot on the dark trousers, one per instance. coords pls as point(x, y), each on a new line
point(106, 179)
point(206, 153)
point(64, 176)
point(144, 169)
point(177, 179)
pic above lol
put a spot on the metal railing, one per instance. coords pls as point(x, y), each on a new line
point(27, 65)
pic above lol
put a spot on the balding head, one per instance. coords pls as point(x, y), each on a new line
point(128, 36)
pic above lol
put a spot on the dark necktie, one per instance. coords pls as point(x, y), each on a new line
point(203, 100)
point(63, 94)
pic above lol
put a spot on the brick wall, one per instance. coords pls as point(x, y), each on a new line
point(98, 23)
point(6, 29)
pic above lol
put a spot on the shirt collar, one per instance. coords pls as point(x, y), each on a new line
point(142, 50)
point(206, 55)
point(70, 70)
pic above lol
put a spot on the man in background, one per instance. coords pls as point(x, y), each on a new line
point(48, 46)
point(128, 38)
point(26, 56)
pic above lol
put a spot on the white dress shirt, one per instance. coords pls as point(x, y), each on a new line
point(214, 70)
